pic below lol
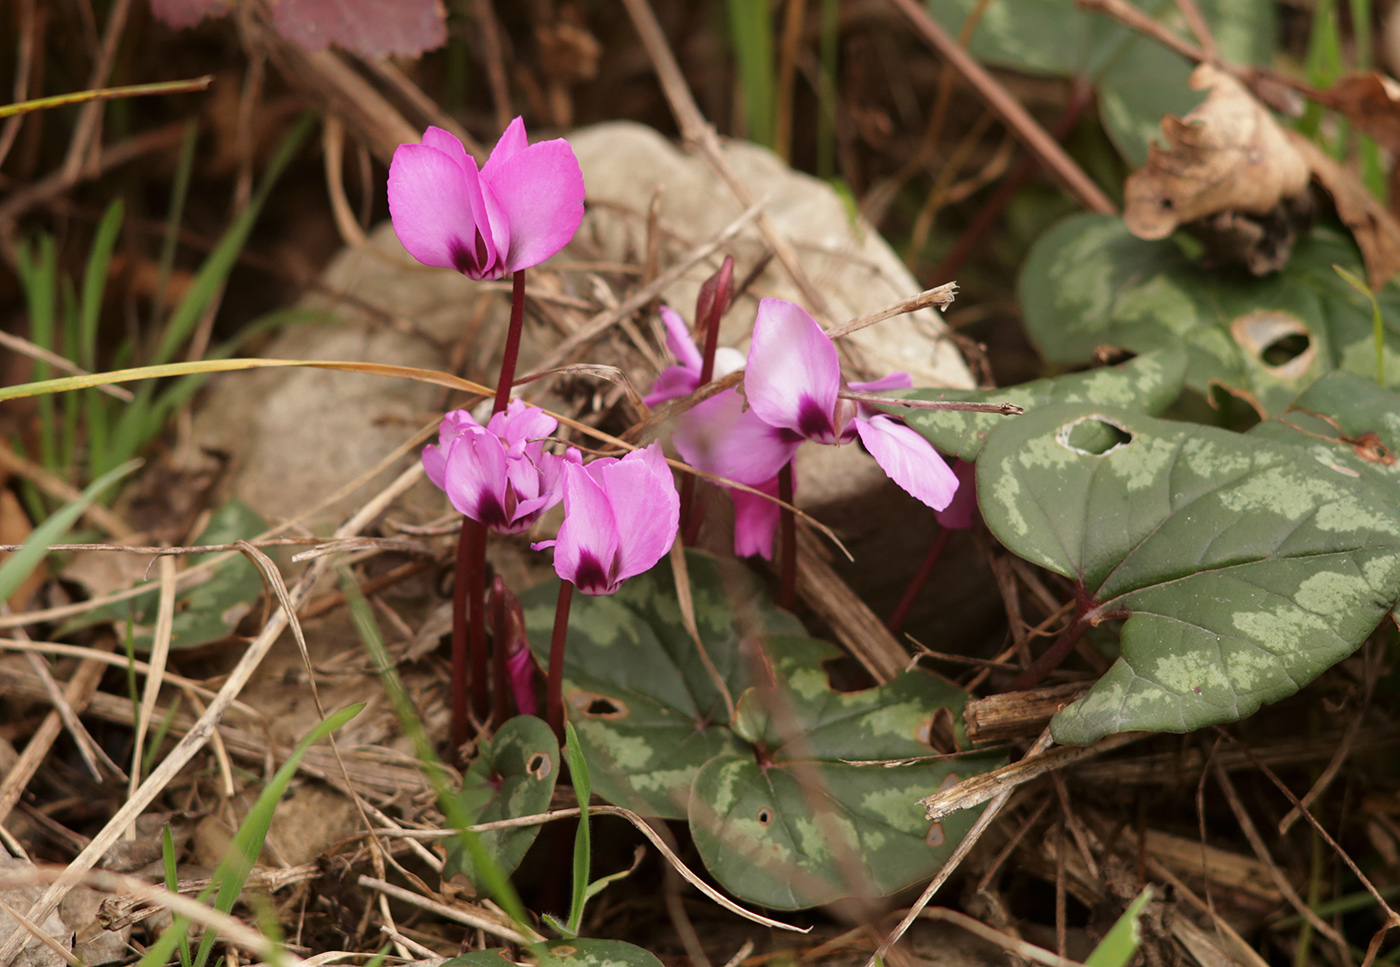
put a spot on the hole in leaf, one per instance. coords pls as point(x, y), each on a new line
point(596, 706)
point(1369, 447)
point(1093, 436)
point(540, 765)
point(935, 837)
point(845, 674)
point(1278, 340)
point(563, 950)
point(938, 731)
point(764, 817)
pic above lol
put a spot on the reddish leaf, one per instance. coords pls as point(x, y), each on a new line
point(180, 14)
point(372, 28)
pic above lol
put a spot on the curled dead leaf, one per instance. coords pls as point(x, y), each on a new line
point(1227, 155)
point(1375, 228)
point(1371, 101)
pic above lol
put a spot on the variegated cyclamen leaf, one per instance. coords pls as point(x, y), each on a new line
point(575, 952)
point(648, 711)
point(513, 775)
point(1348, 422)
point(1148, 383)
point(1243, 568)
point(1089, 282)
point(822, 802)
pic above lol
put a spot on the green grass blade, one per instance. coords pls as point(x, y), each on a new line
point(751, 34)
point(1122, 939)
point(40, 285)
point(583, 844)
point(214, 272)
point(247, 843)
point(72, 405)
point(179, 191)
point(496, 885)
point(157, 737)
point(95, 284)
point(172, 883)
point(19, 565)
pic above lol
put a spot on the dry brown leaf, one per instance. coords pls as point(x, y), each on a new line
point(1227, 155)
point(1375, 228)
point(1371, 101)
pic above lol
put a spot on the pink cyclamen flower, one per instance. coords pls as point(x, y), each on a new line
point(959, 514)
point(499, 474)
point(620, 518)
point(520, 665)
point(792, 383)
point(520, 208)
point(683, 378)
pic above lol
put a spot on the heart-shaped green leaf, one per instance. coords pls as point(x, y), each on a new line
point(1148, 383)
point(204, 611)
point(1138, 80)
point(1243, 567)
point(513, 775)
point(648, 711)
point(1089, 282)
point(576, 952)
point(823, 801)
point(1345, 421)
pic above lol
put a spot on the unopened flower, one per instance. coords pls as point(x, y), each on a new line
point(520, 208)
point(620, 518)
point(499, 474)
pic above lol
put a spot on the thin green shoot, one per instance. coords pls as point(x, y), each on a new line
point(129, 645)
point(232, 872)
point(38, 272)
point(157, 738)
point(172, 883)
point(495, 884)
point(751, 35)
point(1302, 951)
point(583, 843)
point(1122, 939)
point(1340, 906)
point(1323, 61)
point(90, 314)
point(68, 444)
point(16, 568)
point(1377, 323)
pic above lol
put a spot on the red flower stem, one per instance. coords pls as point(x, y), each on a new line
point(500, 643)
point(911, 593)
point(691, 513)
point(787, 525)
point(554, 700)
point(512, 351)
point(467, 608)
point(1035, 673)
point(690, 520)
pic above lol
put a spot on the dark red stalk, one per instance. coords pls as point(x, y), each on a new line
point(916, 584)
point(787, 526)
point(710, 306)
point(554, 699)
point(1034, 673)
point(511, 354)
point(500, 650)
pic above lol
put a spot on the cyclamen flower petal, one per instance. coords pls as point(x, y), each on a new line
point(794, 373)
point(959, 514)
point(620, 518)
point(499, 474)
point(909, 460)
point(719, 436)
point(684, 378)
point(755, 520)
point(521, 207)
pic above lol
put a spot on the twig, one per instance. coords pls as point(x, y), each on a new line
point(953, 861)
point(941, 297)
point(160, 652)
point(80, 690)
point(495, 60)
point(85, 131)
point(24, 64)
point(195, 739)
point(1006, 107)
